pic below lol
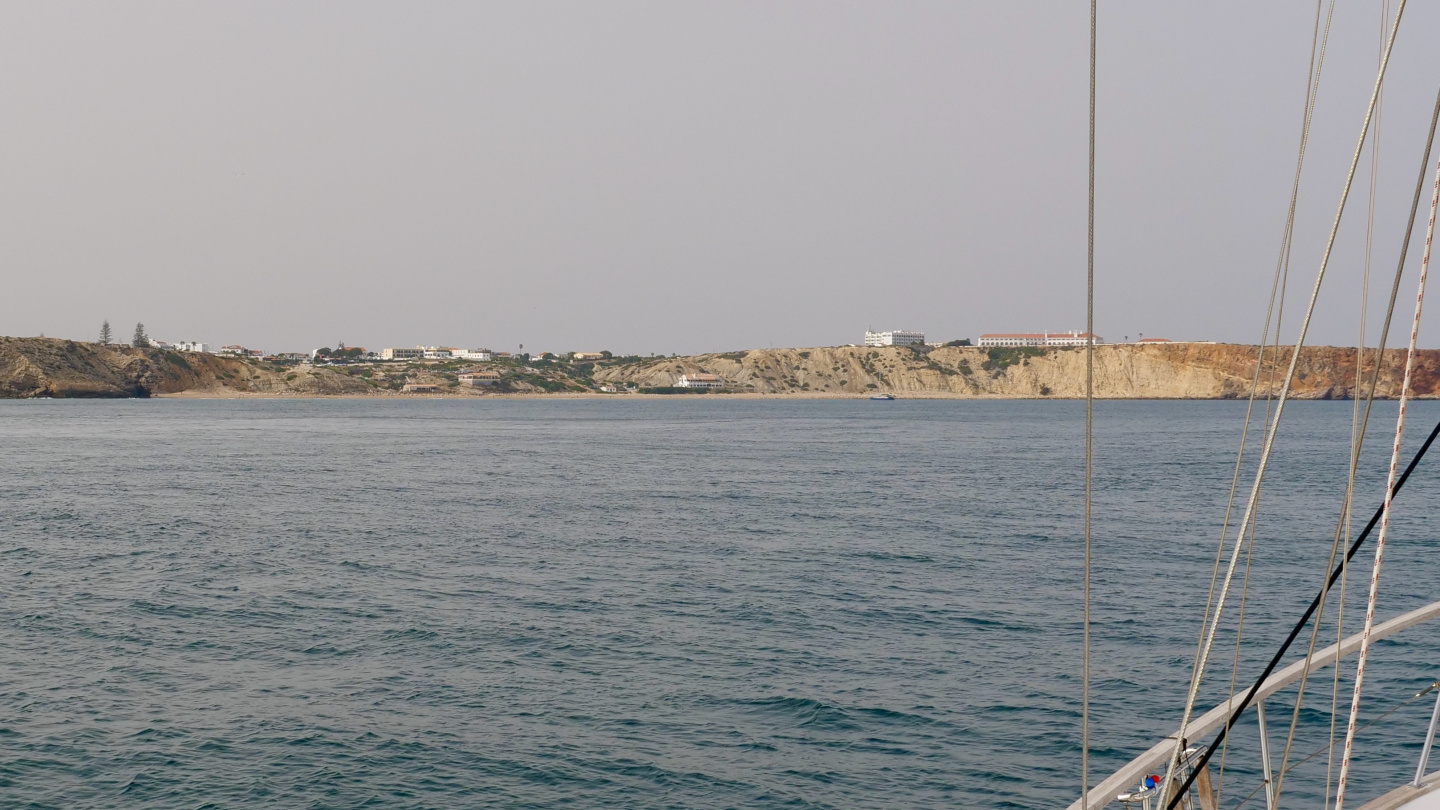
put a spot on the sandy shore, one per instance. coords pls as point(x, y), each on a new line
point(681, 397)
point(572, 395)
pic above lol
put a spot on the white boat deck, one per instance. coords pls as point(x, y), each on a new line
point(1409, 797)
point(1129, 776)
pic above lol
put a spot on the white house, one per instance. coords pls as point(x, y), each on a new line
point(894, 338)
point(483, 355)
point(699, 380)
point(480, 378)
point(1071, 338)
point(402, 354)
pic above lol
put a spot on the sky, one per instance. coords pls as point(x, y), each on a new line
point(670, 176)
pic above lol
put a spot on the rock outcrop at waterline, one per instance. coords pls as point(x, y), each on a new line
point(48, 367)
point(1164, 371)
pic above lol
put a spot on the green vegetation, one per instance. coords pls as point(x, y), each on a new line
point(961, 342)
point(176, 360)
point(105, 335)
point(998, 359)
point(545, 384)
point(140, 340)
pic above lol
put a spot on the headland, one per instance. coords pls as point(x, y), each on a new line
point(50, 367)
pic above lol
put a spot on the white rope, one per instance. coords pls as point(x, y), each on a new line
point(1252, 501)
point(1389, 496)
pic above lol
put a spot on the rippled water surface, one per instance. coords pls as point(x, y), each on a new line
point(649, 604)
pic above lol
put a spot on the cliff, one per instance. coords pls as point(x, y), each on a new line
point(1166, 371)
point(37, 367)
point(41, 367)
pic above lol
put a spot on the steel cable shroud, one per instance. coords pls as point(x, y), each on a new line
point(1166, 800)
point(1089, 436)
point(1389, 497)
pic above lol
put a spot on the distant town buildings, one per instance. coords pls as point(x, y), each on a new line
point(182, 346)
point(587, 355)
point(437, 353)
point(480, 378)
point(699, 380)
point(1071, 338)
point(240, 351)
point(420, 388)
point(894, 338)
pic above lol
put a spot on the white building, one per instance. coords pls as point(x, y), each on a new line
point(894, 338)
point(1071, 338)
point(182, 346)
point(483, 355)
point(699, 380)
point(581, 356)
point(402, 354)
point(480, 378)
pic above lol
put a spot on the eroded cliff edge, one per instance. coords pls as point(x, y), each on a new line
point(41, 367)
point(49, 367)
point(1173, 371)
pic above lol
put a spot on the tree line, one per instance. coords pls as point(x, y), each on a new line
point(140, 340)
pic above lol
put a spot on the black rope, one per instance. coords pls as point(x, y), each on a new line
point(1299, 626)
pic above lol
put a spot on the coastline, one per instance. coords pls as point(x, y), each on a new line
point(806, 395)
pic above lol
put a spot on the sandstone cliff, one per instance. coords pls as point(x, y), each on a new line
point(41, 367)
point(1174, 371)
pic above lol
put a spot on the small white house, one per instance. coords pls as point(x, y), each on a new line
point(699, 380)
point(480, 378)
point(483, 355)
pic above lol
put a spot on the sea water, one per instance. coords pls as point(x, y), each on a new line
point(697, 602)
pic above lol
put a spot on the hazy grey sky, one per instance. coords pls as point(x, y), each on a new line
point(679, 176)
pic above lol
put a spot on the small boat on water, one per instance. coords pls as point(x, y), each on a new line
point(883, 397)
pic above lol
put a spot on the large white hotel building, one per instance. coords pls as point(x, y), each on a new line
point(1071, 338)
point(894, 338)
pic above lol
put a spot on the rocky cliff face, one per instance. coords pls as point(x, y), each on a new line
point(31, 367)
point(41, 367)
point(1174, 371)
